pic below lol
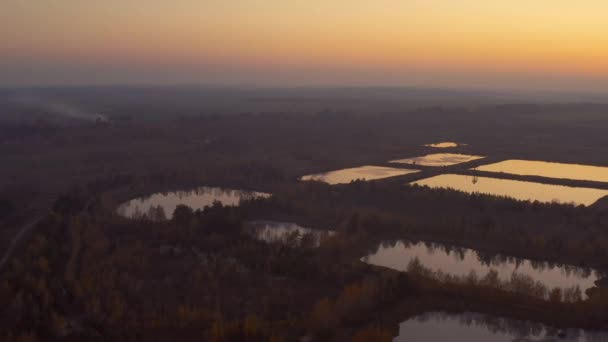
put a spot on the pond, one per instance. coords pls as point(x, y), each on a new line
point(438, 159)
point(445, 144)
point(459, 261)
point(549, 169)
point(197, 198)
point(287, 233)
point(366, 172)
point(469, 326)
point(520, 190)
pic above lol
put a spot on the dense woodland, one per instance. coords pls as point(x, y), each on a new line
point(84, 273)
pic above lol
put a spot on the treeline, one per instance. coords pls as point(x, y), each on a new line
point(31, 287)
point(194, 277)
point(197, 276)
point(518, 298)
point(376, 306)
point(8, 209)
point(348, 315)
point(537, 231)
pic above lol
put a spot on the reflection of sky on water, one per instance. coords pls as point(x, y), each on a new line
point(548, 169)
point(438, 159)
point(367, 172)
point(196, 199)
point(445, 144)
point(520, 190)
point(461, 261)
point(285, 232)
point(469, 327)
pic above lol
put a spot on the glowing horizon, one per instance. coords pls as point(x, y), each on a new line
point(540, 44)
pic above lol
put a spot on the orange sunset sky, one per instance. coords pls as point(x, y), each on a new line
point(544, 44)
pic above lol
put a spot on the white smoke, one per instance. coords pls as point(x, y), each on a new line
point(60, 108)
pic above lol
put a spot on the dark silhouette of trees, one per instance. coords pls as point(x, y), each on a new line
point(183, 215)
point(7, 209)
point(68, 204)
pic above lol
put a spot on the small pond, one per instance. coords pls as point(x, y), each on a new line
point(445, 144)
point(459, 261)
point(287, 233)
point(197, 198)
point(469, 327)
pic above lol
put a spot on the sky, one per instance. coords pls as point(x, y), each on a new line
point(516, 44)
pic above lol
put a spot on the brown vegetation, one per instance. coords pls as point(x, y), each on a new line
point(87, 274)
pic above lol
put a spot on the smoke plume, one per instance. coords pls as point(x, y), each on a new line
point(60, 108)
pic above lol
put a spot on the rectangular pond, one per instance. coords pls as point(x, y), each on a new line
point(520, 190)
point(366, 172)
point(438, 159)
point(549, 169)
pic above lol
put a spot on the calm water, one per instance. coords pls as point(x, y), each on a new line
point(286, 232)
point(196, 199)
point(551, 170)
point(367, 172)
point(438, 159)
point(445, 144)
point(473, 327)
point(521, 190)
point(461, 261)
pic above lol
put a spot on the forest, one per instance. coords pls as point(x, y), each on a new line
point(197, 276)
point(84, 273)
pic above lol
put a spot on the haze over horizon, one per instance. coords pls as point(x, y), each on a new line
point(541, 45)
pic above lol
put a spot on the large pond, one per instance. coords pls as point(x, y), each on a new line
point(548, 169)
point(286, 233)
point(197, 198)
point(366, 172)
point(520, 190)
point(438, 159)
point(469, 326)
point(456, 261)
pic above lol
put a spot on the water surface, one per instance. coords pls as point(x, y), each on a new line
point(549, 169)
point(520, 190)
point(473, 327)
point(286, 232)
point(444, 144)
point(461, 261)
point(366, 172)
point(197, 198)
point(438, 159)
